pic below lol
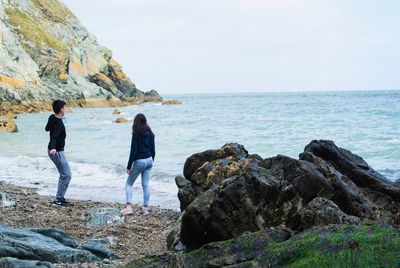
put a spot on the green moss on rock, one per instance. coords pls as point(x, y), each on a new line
point(329, 246)
point(53, 10)
point(30, 28)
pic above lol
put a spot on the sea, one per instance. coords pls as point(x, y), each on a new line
point(365, 122)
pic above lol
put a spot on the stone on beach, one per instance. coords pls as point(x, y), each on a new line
point(102, 216)
point(44, 244)
point(8, 126)
point(6, 200)
point(120, 120)
point(9, 262)
point(116, 111)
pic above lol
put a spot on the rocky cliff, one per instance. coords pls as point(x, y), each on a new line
point(46, 53)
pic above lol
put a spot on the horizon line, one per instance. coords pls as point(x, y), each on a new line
point(276, 91)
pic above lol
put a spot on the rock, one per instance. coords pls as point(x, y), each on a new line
point(321, 212)
point(121, 120)
point(102, 216)
point(171, 102)
point(8, 126)
point(353, 167)
point(109, 241)
point(327, 246)
point(6, 200)
point(16, 263)
point(49, 245)
point(397, 183)
point(98, 250)
point(9, 115)
point(116, 111)
point(197, 160)
point(48, 54)
point(56, 234)
point(228, 192)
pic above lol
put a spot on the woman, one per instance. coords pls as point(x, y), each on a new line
point(140, 162)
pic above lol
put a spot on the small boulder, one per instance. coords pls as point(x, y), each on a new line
point(6, 200)
point(8, 126)
point(172, 102)
point(120, 120)
point(116, 111)
point(9, 115)
point(102, 216)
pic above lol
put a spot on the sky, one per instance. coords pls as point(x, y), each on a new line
point(209, 46)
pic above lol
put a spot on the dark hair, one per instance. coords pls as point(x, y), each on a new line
point(58, 105)
point(140, 125)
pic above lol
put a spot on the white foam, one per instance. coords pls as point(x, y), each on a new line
point(395, 141)
point(89, 181)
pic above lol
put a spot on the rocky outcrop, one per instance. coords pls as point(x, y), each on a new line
point(46, 53)
point(227, 192)
point(47, 245)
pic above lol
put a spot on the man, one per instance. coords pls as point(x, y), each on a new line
point(56, 150)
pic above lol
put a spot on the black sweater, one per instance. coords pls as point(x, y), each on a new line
point(57, 133)
point(142, 147)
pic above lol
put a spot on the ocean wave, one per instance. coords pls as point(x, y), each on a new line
point(89, 181)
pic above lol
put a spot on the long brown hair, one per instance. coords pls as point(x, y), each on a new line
point(140, 125)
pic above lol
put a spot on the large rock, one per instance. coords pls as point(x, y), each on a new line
point(46, 53)
point(353, 166)
point(102, 216)
point(8, 126)
point(228, 192)
point(46, 244)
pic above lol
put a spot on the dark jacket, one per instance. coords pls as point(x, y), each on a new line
point(57, 133)
point(142, 147)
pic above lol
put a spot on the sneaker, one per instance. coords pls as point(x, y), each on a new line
point(127, 210)
point(63, 200)
point(58, 202)
point(144, 210)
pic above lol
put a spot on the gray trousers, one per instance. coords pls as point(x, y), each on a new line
point(61, 163)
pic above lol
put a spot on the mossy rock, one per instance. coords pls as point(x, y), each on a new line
point(54, 10)
point(329, 246)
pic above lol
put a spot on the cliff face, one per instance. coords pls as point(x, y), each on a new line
point(46, 53)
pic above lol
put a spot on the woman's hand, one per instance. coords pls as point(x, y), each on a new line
point(129, 171)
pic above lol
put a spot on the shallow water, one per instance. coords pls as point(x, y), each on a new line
point(368, 123)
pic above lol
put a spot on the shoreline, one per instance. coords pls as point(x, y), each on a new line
point(45, 105)
point(138, 237)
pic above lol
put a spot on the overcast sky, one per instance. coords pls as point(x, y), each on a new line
point(250, 45)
